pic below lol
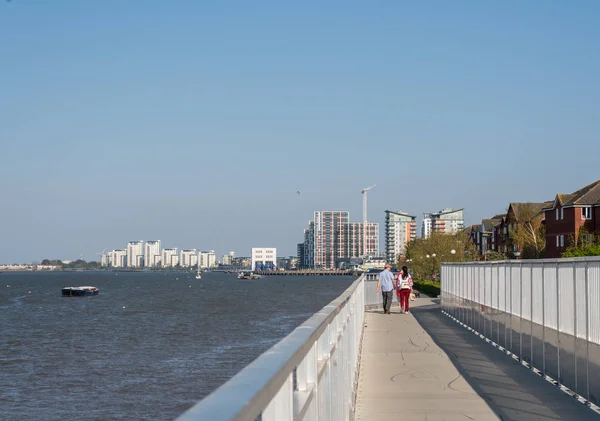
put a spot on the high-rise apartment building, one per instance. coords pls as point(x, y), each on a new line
point(169, 258)
point(207, 259)
point(135, 254)
point(152, 254)
point(448, 221)
point(117, 258)
point(361, 239)
point(227, 259)
point(188, 258)
point(331, 237)
point(400, 229)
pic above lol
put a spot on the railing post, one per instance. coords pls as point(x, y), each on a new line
point(587, 330)
point(558, 320)
point(543, 319)
point(575, 325)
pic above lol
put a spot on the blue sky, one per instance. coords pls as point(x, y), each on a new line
point(194, 122)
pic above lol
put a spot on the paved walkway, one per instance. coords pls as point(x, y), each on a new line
point(423, 366)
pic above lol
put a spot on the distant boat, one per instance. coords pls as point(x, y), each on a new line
point(79, 291)
point(198, 272)
point(248, 275)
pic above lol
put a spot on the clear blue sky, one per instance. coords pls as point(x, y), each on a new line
point(194, 122)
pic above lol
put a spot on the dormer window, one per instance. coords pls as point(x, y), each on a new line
point(586, 213)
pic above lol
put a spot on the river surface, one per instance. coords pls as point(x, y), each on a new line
point(148, 347)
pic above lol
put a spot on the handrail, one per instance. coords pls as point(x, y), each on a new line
point(246, 395)
point(522, 261)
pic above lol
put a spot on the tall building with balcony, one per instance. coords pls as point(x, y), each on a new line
point(135, 254)
point(117, 258)
point(362, 239)
point(152, 254)
point(169, 258)
point(400, 229)
point(447, 221)
point(188, 258)
point(227, 259)
point(207, 259)
point(331, 237)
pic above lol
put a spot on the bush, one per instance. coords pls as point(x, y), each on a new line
point(428, 287)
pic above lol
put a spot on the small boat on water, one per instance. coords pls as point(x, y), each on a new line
point(79, 291)
point(198, 276)
point(248, 275)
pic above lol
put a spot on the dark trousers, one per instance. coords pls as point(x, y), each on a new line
point(387, 300)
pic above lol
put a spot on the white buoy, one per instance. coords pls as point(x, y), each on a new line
point(123, 306)
point(8, 286)
point(29, 292)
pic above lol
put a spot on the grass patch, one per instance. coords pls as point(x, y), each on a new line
point(427, 287)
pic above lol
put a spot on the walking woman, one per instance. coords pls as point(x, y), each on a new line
point(404, 285)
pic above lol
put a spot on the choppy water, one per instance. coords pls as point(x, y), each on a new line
point(148, 346)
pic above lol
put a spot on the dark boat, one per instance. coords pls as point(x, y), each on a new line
point(79, 291)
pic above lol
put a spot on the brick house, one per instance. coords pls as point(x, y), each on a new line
point(568, 214)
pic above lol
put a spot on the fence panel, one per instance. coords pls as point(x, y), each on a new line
point(547, 312)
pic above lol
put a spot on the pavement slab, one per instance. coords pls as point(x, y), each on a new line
point(423, 366)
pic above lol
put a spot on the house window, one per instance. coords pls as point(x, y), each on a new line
point(562, 240)
point(586, 213)
point(562, 213)
point(557, 241)
point(557, 214)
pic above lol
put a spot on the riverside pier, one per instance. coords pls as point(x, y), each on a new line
point(307, 272)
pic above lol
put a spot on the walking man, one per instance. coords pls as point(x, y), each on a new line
point(385, 280)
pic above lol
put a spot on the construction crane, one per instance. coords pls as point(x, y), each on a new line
point(364, 193)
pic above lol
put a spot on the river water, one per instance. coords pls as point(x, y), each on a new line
point(148, 347)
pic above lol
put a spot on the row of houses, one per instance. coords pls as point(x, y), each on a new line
point(540, 229)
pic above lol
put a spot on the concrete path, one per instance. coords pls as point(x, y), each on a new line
point(423, 366)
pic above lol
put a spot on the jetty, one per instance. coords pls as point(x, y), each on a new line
point(306, 272)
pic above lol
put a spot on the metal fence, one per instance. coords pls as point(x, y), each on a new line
point(546, 312)
point(309, 375)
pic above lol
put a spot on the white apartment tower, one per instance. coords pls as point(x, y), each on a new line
point(152, 254)
point(447, 221)
point(135, 254)
point(117, 258)
point(169, 258)
point(207, 259)
point(400, 229)
point(228, 259)
point(188, 258)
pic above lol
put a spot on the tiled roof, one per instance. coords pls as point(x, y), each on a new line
point(499, 216)
point(487, 224)
point(588, 195)
point(538, 208)
point(472, 228)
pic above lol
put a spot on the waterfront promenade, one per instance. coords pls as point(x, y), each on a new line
point(424, 366)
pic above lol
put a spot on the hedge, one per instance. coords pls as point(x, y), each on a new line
point(428, 287)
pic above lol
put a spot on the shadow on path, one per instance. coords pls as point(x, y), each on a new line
point(512, 391)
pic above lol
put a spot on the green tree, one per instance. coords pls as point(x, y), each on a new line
point(530, 234)
point(424, 255)
point(588, 244)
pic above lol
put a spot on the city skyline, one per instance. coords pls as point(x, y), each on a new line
point(198, 120)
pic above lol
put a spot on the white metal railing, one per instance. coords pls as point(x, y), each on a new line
point(545, 312)
point(309, 375)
